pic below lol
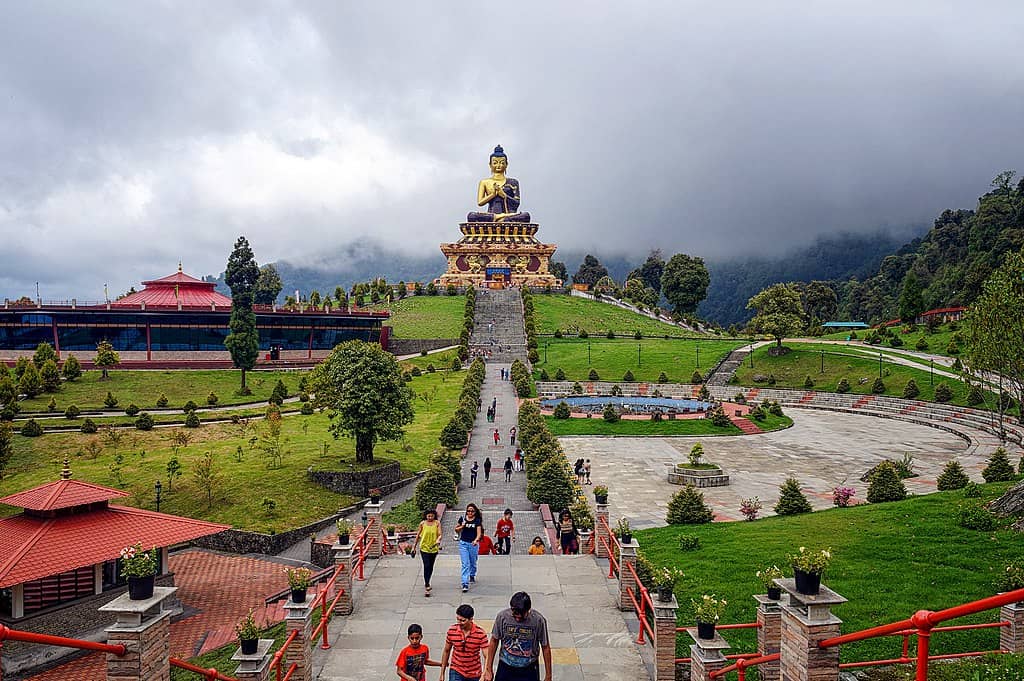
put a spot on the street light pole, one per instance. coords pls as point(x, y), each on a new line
point(698, 353)
point(931, 370)
point(638, 354)
point(589, 363)
point(546, 352)
point(823, 361)
point(879, 365)
point(751, 355)
point(159, 488)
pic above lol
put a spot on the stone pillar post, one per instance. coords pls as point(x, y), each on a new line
point(1011, 638)
point(584, 540)
point(255, 667)
point(600, 532)
point(376, 525)
point(344, 555)
point(706, 655)
point(299, 617)
point(144, 628)
point(769, 634)
point(806, 620)
point(627, 556)
point(665, 639)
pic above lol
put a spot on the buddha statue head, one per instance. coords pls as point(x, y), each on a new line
point(498, 160)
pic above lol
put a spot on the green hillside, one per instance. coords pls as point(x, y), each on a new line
point(427, 317)
point(647, 358)
point(563, 312)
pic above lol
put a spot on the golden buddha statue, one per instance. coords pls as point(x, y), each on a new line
point(499, 193)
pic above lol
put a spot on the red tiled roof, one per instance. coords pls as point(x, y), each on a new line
point(943, 310)
point(61, 494)
point(34, 548)
point(173, 289)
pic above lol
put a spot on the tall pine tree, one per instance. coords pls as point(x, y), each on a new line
point(243, 342)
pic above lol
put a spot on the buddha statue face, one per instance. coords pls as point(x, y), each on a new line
point(498, 164)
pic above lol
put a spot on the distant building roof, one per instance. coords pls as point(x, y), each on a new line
point(173, 289)
point(943, 310)
point(845, 325)
point(61, 494)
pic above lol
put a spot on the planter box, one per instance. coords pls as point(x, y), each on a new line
point(698, 477)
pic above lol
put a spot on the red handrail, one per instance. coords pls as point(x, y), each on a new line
point(740, 666)
point(210, 674)
point(327, 610)
point(275, 664)
point(8, 634)
point(641, 606)
point(613, 563)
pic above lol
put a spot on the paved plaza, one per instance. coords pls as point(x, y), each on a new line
point(822, 450)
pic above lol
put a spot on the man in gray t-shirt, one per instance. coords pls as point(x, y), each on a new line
point(522, 635)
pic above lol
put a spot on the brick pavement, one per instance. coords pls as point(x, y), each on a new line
point(219, 587)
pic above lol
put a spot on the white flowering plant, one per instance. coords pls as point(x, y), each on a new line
point(708, 608)
point(814, 562)
point(667, 578)
point(299, 578)
point(137, 562)
point(768, 575)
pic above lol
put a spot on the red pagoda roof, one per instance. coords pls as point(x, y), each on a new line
point(33, 548)
point(173, 289)
point(61, 494)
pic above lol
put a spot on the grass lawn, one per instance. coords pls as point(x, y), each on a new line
point(792, 369)
point(633, 428)
point(611, 358)
point(557, 311)
point(427, 317)
point(937, 342)
point(438, 359)
point(220, 658)
point(144, 387)
point(139, 459)
point(890, 560)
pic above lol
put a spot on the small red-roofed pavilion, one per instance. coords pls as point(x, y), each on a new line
point(174, 290)
point(66, 542)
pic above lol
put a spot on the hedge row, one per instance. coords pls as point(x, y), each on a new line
point(530, 325)
point(467, 323)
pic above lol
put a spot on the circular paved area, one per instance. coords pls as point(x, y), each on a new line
point(822, 450)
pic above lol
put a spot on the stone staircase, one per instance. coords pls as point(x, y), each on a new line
point(724, 371)
point(498, 333)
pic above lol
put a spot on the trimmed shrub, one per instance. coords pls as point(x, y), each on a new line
point(189, 406)
point(719, 419)
point(808, 382)
point(878, 387)
point(303, 397)
point(583, 334)
point(974, 517)
point(52, 404)
point(132, 410)
point(431, 368)
point(662, 377)
point(533, 356)
point(110, 401)
point(72, 412)
point(562, 411)
point(616, 390)
point(453, 435)
point(952, 477)
point(88, 426)
point(436, 487)
point(775, 409)
point(49, 374)
point(212, 399)
point(544, 375)
point(31, 429)
point(559, 374)
point(593, 375)
point(687, 507)
point(449, 461)
point(696, 377)
point(972, 490)
point(843, 387)
point(975, 395)
point(758, 413)
point(609, 414)
point(791, 500)
point(162, 400)
point(551, 483)
point(557, 333)
point(610, 335)
point(689, 542)
point(943, 393)
point(999, 468)
point(628, 377)
point(144, 422)
point(910, 391)
point(72, 369)
point(192, 420)
point(577, 389)
point(921, 345)
point(885, 484)
point(306, 409)
point(456, 364)
point(416, 371)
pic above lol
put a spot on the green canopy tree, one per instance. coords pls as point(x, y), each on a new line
point(684, 282)
point(911, 298)
point(779, 312)
point(243, 341)
point(268, 286)
point(362, 388)
point(650, 271)
point(106, 358)
point(590, 271)
point(44, 353)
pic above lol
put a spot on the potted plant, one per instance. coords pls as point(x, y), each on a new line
point(624, 531)
point(375, 495)
point(344, 530)
point(708, 610)
point(601, 494)
point(299, 580)
point(808, 567)
point(139, 567)
point(768, 576)
point(1011, 579)
point(391, 530)
point(665, 581)
point(248, 634)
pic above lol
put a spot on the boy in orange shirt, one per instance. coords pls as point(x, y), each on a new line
point(414, 659)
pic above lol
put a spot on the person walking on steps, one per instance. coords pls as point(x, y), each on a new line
point(519, 638)
point(568, 534)
point(512, 436)
point(428, 539)
point(505, 532)
point(508, 469)
point(470, 529)
point(463, 644)
point(497, 437)
point(487, 469)
point(472, 474)
point(518, 459)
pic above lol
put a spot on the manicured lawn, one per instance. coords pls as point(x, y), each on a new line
point(890, 560)
point(220, 658)
point(139, 459)
point(144, 387)
point(792, 369)
point(632, 428)
point(938, 342)
point(558, 311)
point(427, 316)
point(611, 358)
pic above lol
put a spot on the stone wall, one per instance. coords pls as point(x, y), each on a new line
point(359, 483)
point(77, 619)
point(414, 346)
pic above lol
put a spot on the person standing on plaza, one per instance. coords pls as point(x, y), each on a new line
point(586, 471)
point(512, 436)
point(428, 539)
point(487, 469)
point(470, 529)
point(463, 644)
point(521, 633)
point(494, 405)
point(472, 474)
point(508, 469)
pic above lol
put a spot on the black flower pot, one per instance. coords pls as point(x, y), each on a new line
point(774, 593)
point(343, 538)
point(601, 498)
point(391, 533)
point(807, 583)
point(627, 538)
point(298, 595)
point(140, 588)
point(249, 645)
point(664, 594)
point(705, 630)
point(374, 498)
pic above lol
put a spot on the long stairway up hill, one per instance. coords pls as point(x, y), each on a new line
point(498, 326)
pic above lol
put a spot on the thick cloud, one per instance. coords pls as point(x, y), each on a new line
point(135, 135)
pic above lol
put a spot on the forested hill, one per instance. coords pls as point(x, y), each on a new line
point(948, 264)
point(837, 258)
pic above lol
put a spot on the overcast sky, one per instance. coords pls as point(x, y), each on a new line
point(137, 134)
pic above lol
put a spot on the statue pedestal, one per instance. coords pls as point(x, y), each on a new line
point(498, 253)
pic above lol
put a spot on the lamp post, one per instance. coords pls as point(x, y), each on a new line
point(879, 365)
point(698, 353)
point(638, 354)
point(823, 361)
point(751, 354)
point(546, 352)
point(931, 371)
point(589, 363)
point(159, 488)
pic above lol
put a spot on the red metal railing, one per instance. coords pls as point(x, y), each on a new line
point(210, 674)
point(277, 663)
point(613, 563)
point(721, 627)
point(8, 634)
point(740, 667)
point(640, 606)
point(327, 610)
point(362, 546)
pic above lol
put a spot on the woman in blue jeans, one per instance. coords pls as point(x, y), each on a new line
point(470, 529)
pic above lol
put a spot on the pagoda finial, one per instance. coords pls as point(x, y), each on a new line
point(179, 266)
point(65, 472)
